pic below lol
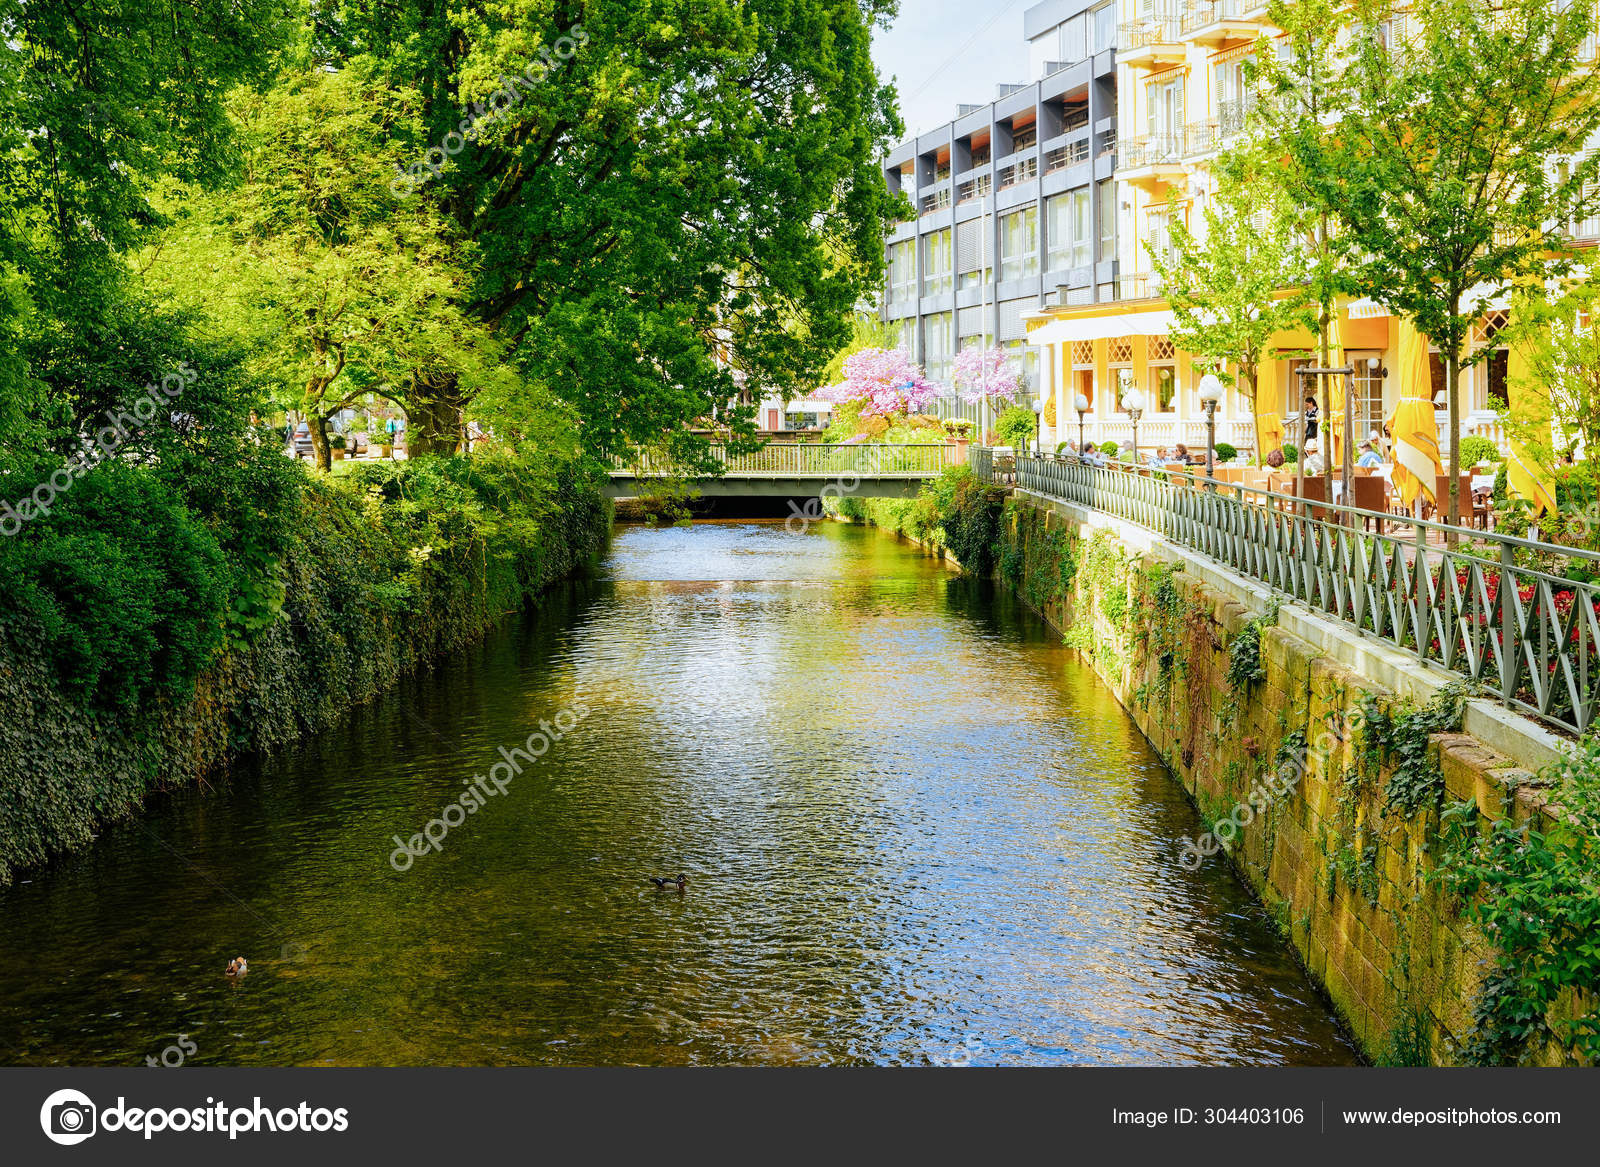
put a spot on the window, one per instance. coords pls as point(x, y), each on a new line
point(1070, 231)
point(1105, 27)
point(974, 254)
point(1232, 96)
point(938, 346)
point(1075, 39)
point(1161, 358)
point(971, 330)
point(1158, 234)
point(1119, 358)
point(902, 272)
point(1025, 357)
point(1025, 137)
point(1108, 221)
point(1164, 114)
point(936, 271)
point(1019, 244)
point(1368, 415)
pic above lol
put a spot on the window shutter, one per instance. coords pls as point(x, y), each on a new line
point(969, 245)
point(1011, 326)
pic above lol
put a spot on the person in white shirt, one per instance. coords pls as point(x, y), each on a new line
point(1314, 461)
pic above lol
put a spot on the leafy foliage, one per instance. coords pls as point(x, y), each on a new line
point(1016, 426)
point(1536, 894)
point(971, 523)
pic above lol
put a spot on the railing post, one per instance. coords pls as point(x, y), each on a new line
point(1419, 580)
point(1510, 645)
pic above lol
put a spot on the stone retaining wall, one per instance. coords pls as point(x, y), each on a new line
point(1345, 872)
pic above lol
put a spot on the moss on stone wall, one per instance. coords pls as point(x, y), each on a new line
point(372, 592)
point(1324, 790)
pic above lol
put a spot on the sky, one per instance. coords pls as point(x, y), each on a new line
point(943, 53)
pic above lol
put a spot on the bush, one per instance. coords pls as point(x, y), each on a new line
point(1225, 452)
point(971, 525)
point(1016, 427)
point(121, 589)
point(1290, 452)
point(1478, 449)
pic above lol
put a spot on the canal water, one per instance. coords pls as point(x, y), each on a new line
point(914, 830)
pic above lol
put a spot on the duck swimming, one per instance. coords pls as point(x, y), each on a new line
point(237, 967)
point(663, 882)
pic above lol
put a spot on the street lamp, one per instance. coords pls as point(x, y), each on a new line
point(1133, 402)
point(1082, 406)
point(1038, 427)
point(1210, 390)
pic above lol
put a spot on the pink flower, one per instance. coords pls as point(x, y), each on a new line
point(886, 380)
point(986, 373)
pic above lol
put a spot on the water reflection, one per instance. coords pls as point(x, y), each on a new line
point(911, 824)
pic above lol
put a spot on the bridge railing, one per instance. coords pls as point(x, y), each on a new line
point(1520, 618)
point(812, 460)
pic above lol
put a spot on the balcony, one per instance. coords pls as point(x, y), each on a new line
point(1233, 117)
point(1201, 138)
point(975, 188)
point(1151, 162)
point(1213, 23)
point(1151, 43)
point(1139, 286)
point(1066, 155)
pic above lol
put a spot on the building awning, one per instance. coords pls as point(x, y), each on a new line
point(1103, 327)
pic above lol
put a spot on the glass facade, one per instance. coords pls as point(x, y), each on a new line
point(1019, 244)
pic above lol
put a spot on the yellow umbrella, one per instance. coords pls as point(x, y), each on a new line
point(1269, 423)
point(1416, 434)
point(1528, 402)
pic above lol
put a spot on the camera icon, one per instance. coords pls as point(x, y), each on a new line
point(68, 1117)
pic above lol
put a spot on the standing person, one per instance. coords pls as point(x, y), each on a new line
point(1310, 420)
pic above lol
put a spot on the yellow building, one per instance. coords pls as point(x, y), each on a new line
point(1181, 98)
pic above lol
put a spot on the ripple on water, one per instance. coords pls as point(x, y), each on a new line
point(914, 829)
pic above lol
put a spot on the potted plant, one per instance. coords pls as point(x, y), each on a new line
point(336, 447)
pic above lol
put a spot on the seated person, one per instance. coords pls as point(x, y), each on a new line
point(1314, 461)
point(1368, 456)
point(1180, 453)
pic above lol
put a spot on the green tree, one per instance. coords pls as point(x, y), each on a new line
point(336, 288)
point(670, 199)
point(99, 102)
point(1301, 92)
point(1234, 289)
point(1438, 172)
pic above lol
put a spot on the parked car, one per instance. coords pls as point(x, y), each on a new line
point(302, 441)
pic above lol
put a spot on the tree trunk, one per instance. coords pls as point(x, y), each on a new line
point(433, 417)
point(1247, 386)
point(1452, 373)
point(321, 452)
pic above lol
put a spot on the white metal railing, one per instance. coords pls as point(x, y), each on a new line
point(801, 460)
point(1162, 431)
point(1520, 618)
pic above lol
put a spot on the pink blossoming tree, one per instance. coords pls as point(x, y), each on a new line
point(984, 373)
point(885, 381)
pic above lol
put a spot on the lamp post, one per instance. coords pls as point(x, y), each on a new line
point(1133, 402)
point(1210, 390)
point(1082, 406)
point(1038, 427)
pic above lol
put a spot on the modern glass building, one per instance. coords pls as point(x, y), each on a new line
point(1015, 207)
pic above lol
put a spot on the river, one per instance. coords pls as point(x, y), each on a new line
point(914, 829)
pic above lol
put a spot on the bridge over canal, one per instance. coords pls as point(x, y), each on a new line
point(801, 470)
